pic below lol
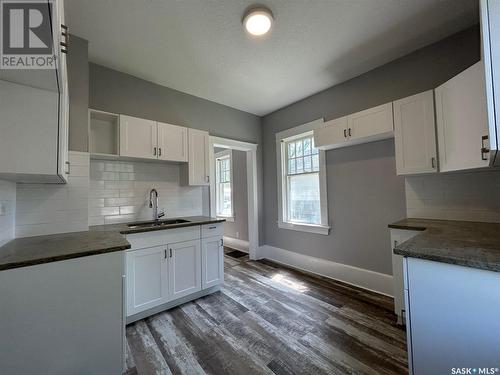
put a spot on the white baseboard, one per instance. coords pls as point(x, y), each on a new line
point(236, 243)
point(366, 279)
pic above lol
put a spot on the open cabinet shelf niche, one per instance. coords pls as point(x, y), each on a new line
point(104, 133)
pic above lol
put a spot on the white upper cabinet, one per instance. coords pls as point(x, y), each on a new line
point(34, 108)
point(147, 139)
point(462, 125)
point(370, 125)
point(172, 142)
point(197, 170)
point(490, 36)
point(415, 134)
point(334, 132)
point(138, 137)
point(373, 123)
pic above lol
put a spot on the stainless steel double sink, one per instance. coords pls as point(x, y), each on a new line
point(156, 223)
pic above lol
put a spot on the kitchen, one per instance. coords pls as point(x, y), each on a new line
point(367, 189)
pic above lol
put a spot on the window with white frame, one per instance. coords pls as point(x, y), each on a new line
point(302, 184)
point(224, 184)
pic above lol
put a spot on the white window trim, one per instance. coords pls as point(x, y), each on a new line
point(218, 155)
point(287, 135)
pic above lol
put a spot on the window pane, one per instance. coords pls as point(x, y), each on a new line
point(304, 199)
point(300, 165)
point(227, 176)
point(307, 164)
point(315, 163)
point(291, 150)
point(217, 171)
point(298, 148)
point(307, 146)
point(291, 166)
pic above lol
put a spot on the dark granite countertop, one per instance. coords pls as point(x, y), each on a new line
point(100, 239)
point(125, 229)
point(29, 251)
point(465, 243)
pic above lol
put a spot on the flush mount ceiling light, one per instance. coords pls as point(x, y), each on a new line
point(258, 21)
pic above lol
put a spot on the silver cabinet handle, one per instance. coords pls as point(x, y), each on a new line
point(345, 133)
point(349, 132)
point(165, 253)
point(222, 242)
point(170, 253)
point(159, 151)
point(433, 162)
point(154, 151)
point(65, 34)
point(69, 167)
point(213, 227)
point(484, 149)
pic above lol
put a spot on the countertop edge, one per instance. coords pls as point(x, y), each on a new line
point(406, 227)
point(470, 263)
point(172, 226)
point(58, 258)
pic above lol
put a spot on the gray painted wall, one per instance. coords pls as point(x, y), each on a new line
point(364, 194)
point(78, 84)
point(118, 92)
point(239, 228)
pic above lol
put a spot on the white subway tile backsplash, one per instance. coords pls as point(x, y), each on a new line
point(47, 209)
point(472, 196)
point(119, 191)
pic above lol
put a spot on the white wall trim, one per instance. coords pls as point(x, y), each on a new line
point(252, 186)
point(236, 243)
point(363, 278)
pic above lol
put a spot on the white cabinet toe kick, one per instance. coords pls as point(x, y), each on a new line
point(169, 267)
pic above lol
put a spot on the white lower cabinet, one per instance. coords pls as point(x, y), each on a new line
point(147, 279)
point(452, 318)
point(212, 251)
point(398, 236)
point(164, 268)
point(184, 268)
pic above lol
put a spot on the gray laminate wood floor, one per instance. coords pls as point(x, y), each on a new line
point(269, 319)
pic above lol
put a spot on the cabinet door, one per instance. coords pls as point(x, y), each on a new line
point(212, 271)
point(198, 157)
point(172, 142)
point(415, 134)
point(373, 122)
point(334, 132)
point(62, 77)
point(147, 282)
point(184, 268)
point(138, 137)
point(28, 130)
point(462, 120)
point(490, 35)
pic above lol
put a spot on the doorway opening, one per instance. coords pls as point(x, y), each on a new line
point(233, 192)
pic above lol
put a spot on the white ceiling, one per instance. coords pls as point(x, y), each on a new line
point(199, 46)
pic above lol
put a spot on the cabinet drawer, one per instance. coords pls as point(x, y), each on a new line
point(210, 230)
point(162, 237)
